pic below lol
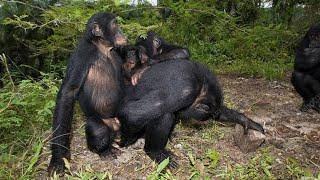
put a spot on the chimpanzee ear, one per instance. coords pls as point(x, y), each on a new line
point(142, 56)
point(96, 30)
point(156, 42)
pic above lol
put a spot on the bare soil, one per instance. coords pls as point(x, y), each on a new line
point(289, 132)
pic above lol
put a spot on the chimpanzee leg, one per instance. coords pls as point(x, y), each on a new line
point(229, 115)
point(135, 115)
point(199, 112)
point(315, 101)
point(157, 135)
point(307, 86)
point(299, 82)
point(99, 136)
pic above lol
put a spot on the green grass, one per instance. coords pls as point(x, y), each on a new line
point(267, 70)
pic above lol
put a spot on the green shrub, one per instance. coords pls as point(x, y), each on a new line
point(25, 108)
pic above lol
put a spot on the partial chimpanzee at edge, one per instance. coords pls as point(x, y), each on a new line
point(158, 50)
point(93, 77)
point(167, 91)
point(306, 74)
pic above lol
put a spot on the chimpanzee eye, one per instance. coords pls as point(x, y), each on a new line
point(131, 54)
point(156, 42)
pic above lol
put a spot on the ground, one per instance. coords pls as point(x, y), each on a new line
point(291, 150)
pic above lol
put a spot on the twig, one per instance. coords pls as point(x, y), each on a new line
point(142, 8)
point(190, 10)
point(26, 4)
point(5, 63)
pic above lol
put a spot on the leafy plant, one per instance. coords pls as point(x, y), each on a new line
point(214, 157)
point(25, 107)
point(158, 174)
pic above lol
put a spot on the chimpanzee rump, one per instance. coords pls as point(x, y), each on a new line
point(94, 78)
point(169, 89)
point(306, 74)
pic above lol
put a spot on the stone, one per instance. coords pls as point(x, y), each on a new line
point(277, 142)
point(178, 146)
point(262, 120)
point(139, 144)
point(250, 142)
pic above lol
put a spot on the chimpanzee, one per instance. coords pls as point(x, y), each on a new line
point(94, 77)
point(135, 60)
point(157, 49)
point(150, 50)
point(169, 90)
point(306, 74)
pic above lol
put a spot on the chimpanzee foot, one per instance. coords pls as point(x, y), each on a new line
point(249, 124)
point(203, 108)
point(304, 107)
point(127, 141)
point(161, 155)
point(56, 167)
point(316, 103)
point(110, 154)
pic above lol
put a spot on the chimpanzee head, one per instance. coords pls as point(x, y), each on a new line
point(134, 57)
point(104, 26)
point(152, 43)
point(314, 36)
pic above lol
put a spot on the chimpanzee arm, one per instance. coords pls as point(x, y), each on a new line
point(179, 53)
point(229, 115)
point(62, 120)
point(307, 59)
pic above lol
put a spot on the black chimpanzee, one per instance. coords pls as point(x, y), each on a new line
point(150, 50)
point(94, 77)
point(157, 49)
point(166, 91)
point(135, 60)
point(306, 74)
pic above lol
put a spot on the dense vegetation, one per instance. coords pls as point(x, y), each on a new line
point(37, 37)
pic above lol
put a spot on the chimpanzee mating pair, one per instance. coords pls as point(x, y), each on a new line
point(163, 86)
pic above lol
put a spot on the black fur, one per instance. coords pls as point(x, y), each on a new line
point(306, 74)
point(94, 79)
point(169, 89)
point(163, 51)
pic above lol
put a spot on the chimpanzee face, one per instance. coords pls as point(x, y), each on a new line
point(104, 26)
point(152, 43)
point(131, 61)
point(134, 58)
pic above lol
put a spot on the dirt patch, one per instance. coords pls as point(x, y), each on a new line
point(290, 134)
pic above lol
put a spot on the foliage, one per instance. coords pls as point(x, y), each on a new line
point(217, 32)
point(25, 107)
point(24, 165)
point(159, 173)
point(214, 157)
point(232, 36)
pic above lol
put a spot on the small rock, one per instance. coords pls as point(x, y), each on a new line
point(277, 142)
point(249, 142)
point(279, 161)
point(262, 120)
point(178, 146)
point(139, 144)
point(124, 157)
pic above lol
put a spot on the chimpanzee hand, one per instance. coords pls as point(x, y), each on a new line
point(136, 76)
point(249, 124)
